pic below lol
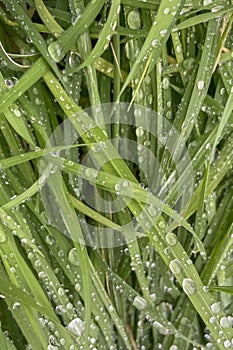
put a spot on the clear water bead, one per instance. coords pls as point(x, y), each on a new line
point(139, 302)
point(200, 85)
point(76, 326)
point(171, 238)
point(215, 308)
point(134, 19)
point(175, 267)
point(224, 322)
point(189, 286)
point(73, 257)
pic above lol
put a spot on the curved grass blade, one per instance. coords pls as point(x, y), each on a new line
point(59, 48)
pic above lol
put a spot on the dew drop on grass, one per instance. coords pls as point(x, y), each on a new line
point(166, 11)
point(52, 347)
point(171, 238)
point(140, 303)
point(76, 326)
point(200, 85)
point(166, 83)
point(163, 32)
point(134, 20)
point(161, 224)
point(227, 344)
point(77, 287)
point(55, 51)
point(61, 292)
point(3, 237)
point(91, 173)
point(139, 131)
point(155, 43)
point(189, 286)
point(224, 322)
point(173, 347)
point(212, 320)
point(73, 257)
point(215, 308)
point(175, 267)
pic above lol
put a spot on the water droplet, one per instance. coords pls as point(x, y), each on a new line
point(166, 11)
point(3, 237)
point(140, 303)
point(155, 43)
point(134, 20)
point(215, 308)
point(212, 320)
point(137, 112)
point(200, 84)
point(161, 224)
point(91, 173)
point(76, 326)
point(171, 238)
point(139, 131)
point(224, 322)
point(16, 306)
point(55, 51)
point(173, 347)
point(175, 267)
point(73, 257)
point(227, 344)
point(189, 286)
point(166, 83)
point(77, 287)
point(61, 292)
point(152, 210)
point(163, 32)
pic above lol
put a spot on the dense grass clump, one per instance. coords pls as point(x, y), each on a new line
point(116, 174)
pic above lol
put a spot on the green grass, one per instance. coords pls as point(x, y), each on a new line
point(116, 196)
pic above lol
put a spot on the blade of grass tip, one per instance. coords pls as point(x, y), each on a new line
point(204, 17)
point(222, 289)
point(105, 35)
point(48, 19)
point(59, 48)
point(20, 16)
point(157, 36)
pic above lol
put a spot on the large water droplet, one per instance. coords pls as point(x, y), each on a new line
point(224, 322)
point(215, 308)
point(175, 267)
point(134, 20)
point(55, 51)
point(140, 303)
point(73, 257)
point(200, 85)
point(189, 286)
point(171, 238)
point(76, 326)
point(3, 237)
